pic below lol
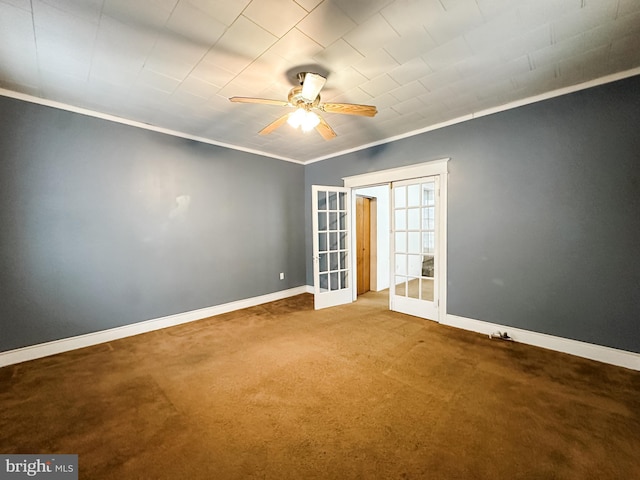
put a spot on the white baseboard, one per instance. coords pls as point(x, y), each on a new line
point(32, 352)
point(591, 351)
point(613, 356)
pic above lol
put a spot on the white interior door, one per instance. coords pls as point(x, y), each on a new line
point(332, 273)
point(415, 245)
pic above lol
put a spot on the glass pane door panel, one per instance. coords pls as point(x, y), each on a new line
point(322, 201)
point(333, 280)
point(414, 242)
point(427, 289)
point(333, 201)
point(414, 265)
point(413, 219)
point(413, 290)
point(413, 194)
point(333, 263)
point(401, 264)
point(333, 240)
point(333, 220)
point(324, 262)
point(322, 242)
point(401, 219)
point(331, 246)
point(428, 193)
point(322, 221)
point(428, 218)
point(414, 236)
point(401, 242)
point(428, 242)
point(400, 197)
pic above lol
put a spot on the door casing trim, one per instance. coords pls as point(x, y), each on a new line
point(426, 169)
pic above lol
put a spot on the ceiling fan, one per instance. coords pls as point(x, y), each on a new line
point(306, 98)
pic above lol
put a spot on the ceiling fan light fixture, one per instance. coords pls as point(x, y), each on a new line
point(304, 119)
point(311, 120)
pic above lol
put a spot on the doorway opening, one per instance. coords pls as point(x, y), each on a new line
point(372, 238)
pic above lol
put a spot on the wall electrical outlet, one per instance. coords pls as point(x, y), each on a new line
point(281, 275)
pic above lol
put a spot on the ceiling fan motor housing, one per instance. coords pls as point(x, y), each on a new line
point(297, 100)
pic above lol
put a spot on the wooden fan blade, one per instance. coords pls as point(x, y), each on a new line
point(349, 109)
point(264, 101)
point(311, 86)
point(325, 130)
point(275, 124)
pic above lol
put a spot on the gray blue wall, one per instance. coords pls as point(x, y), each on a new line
point(93, 236)
point(544, 219)
point(543, 211)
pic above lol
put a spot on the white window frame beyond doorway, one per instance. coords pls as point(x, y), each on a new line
point(427, 169)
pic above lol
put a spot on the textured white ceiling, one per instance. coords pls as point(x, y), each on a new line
point(174, 63)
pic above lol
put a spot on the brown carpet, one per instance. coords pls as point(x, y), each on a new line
point(280, 391)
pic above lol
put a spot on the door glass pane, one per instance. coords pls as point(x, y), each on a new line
point(401, 286)
point(333, 262)
point(413, 194)
point(343, 260)
point(343, 240)
point(401, 264)
point(414, 242)
point(401, 220)
point(324, 282)
point(344, 279)
point(401, 242)
point(428, 242)
point(343, 200)
point(413, 219)
point(428, 218)
point(399, 197)
point(333, 220)
point(414, 265)
point(333, 240)
point(333, 201)
point(322, 242)
point(333, 281)
point(324, 262)
point(428, 193)
point(322, 221)
point(413, 288)
point(427, 289)
point(428, 268)
point(343, 220)
point(322, 200)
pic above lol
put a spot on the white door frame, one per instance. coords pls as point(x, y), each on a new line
point(381, 177)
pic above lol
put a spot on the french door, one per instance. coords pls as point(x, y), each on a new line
point(332, 270)
point(415, 245)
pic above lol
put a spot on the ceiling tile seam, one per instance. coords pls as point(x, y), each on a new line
point(212, 47)
point(35, 42)
point(256, 57)
point(95, 38)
